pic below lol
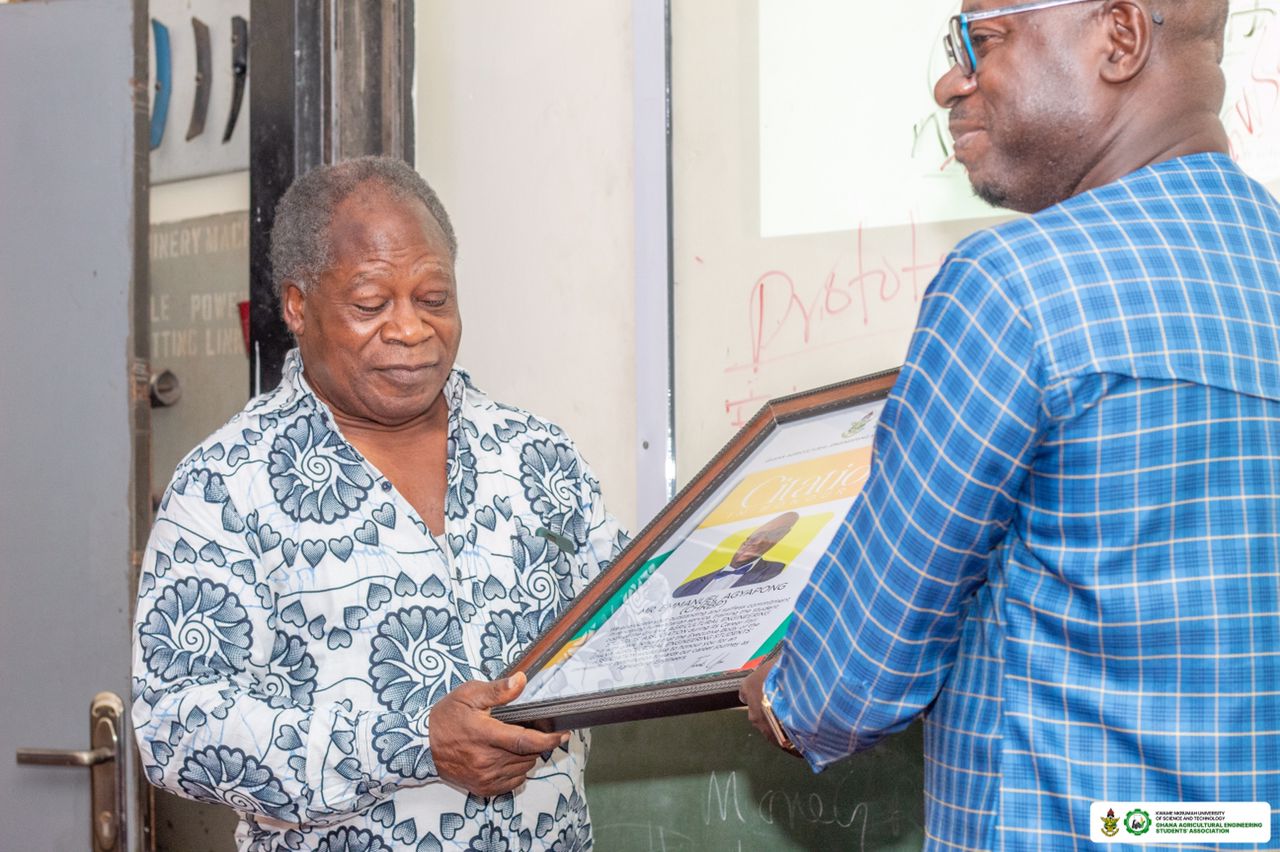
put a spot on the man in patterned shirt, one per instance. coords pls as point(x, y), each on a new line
point(1067, 555)
point(333, 573)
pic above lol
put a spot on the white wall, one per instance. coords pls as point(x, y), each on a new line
point(525, 128)
point(206, 196)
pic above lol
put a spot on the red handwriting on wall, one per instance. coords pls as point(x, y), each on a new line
point(1251, 113)
point(789, 318)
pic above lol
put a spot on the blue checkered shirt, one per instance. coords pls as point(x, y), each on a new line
point(1067, 556)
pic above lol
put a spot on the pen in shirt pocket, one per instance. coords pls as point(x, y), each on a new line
point(565, 545)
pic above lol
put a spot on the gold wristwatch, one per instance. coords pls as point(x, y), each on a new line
point(775, 726)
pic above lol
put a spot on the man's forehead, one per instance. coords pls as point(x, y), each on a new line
point(376, 216)
point(372, 199)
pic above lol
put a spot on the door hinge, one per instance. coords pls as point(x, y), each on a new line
point(140, 381)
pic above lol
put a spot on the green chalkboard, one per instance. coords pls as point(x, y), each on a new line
point(709, 783)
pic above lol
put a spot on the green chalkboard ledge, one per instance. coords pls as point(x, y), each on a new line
point(709, 783)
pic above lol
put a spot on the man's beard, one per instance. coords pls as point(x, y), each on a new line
point(994, 195)
point(1044, 187)
point(1035, 158)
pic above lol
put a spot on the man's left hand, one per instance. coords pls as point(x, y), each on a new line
point(751, 693)
point(477, 752)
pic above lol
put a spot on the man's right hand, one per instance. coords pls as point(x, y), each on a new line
point(477, 752)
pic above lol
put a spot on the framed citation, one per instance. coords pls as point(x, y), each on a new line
point(705, 592)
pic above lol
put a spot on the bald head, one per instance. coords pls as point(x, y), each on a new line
point(1177, 97)
point(763, 538)
point(1188, 22)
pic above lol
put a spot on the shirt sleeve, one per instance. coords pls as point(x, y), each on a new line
point(223, 706)
point(875, 632)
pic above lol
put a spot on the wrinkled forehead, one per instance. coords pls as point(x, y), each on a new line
point(374, 218)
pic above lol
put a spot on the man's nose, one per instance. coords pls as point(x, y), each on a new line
point(952, 86)
point(405, 325)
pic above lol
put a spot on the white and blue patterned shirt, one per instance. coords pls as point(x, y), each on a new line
point(296, 621)
point(1070, 539)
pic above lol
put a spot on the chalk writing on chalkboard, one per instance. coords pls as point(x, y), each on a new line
point(707, 783)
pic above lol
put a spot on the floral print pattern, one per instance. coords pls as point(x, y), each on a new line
point(401, 745)
point(545, 575)
point(350, 840)
point(290, 676)
point(228, 775)
point(315, 474)
point(550, 474)
point(506, 634)
point(417, 658)
point(489, 839)
point(460, 482)
point(297, 621)
point(196, 628)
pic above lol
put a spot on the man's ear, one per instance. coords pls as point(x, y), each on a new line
point(1129, 29)
point(294, 305)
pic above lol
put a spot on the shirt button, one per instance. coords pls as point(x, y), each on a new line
point(386, 485)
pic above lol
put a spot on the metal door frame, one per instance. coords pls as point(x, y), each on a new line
point(139, 797)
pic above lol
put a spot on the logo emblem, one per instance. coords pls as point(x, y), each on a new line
point(858, 425)
point(1111, 823)
point(1137, 822)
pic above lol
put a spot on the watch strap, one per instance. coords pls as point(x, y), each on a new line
point(779, 733)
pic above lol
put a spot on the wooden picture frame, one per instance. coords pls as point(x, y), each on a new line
point(796, 464)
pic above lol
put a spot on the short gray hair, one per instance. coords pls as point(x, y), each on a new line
point(300, 249)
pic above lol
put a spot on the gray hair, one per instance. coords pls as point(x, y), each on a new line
point(300, 249)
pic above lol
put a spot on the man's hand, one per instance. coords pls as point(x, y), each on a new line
point(477, 752)
point(751, 693)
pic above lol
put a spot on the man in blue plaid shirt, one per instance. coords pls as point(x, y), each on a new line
point(1067, 556)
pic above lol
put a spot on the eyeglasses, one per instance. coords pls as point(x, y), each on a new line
point(958, 30)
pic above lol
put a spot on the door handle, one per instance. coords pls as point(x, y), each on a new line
point(65, 757)
point(106, 770)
